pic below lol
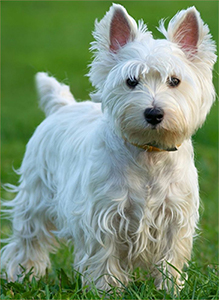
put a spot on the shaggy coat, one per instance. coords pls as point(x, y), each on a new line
point(87, 176)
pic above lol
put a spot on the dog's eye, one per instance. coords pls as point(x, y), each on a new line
point(173, 81)
point(132, 82)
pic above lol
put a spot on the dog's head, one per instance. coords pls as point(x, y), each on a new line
point(155, 92)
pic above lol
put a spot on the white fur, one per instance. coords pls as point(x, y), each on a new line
point(82, 178)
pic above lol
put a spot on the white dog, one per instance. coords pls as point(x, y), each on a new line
point(118, 177)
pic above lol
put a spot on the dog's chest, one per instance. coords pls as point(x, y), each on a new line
point(148, 189)
point(149, 180)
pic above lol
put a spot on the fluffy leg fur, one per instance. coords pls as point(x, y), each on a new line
point(31, 240)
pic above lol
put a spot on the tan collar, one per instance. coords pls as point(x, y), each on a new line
point(150, 148)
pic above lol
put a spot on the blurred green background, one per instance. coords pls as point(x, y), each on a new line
point(54, 36)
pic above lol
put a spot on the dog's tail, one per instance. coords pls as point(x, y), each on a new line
point(52, 94)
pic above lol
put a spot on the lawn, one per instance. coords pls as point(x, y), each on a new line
point(54, 36)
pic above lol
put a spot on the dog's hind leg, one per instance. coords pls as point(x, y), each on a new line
point(32, 240)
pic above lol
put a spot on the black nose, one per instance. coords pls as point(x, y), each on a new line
point(154, 115)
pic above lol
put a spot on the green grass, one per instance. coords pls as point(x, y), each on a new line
point(54, 36)
point(199, 285)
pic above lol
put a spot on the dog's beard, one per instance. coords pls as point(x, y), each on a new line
point(162, 139)
point(167, 134)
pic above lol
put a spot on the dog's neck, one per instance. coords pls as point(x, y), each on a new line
point(150, 148)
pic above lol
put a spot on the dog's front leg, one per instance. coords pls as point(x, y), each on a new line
point(169, 270)
point(180, 237)
point(182, 248)
point(101, 264)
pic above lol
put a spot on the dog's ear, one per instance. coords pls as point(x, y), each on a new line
point(122, 28)
point(185, 30)
point(115, 30)
point(189, 32)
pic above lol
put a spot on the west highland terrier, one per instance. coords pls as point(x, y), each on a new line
point(117, 177)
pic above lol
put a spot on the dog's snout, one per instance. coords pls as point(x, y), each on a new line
point(154, 115)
